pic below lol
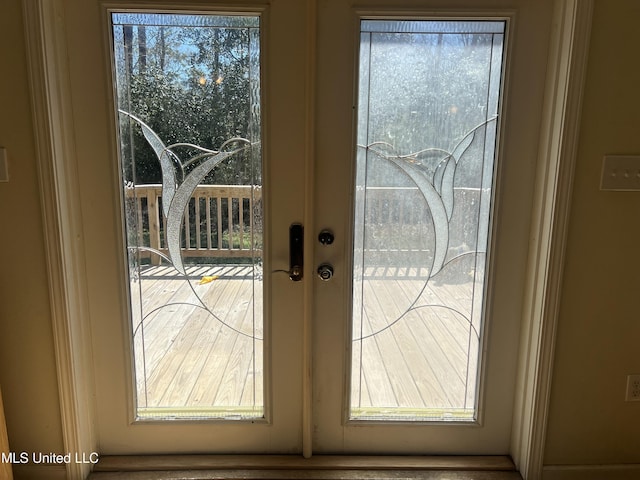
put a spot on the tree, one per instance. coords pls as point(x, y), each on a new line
point(190, 84)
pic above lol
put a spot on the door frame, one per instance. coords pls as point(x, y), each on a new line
point(66, 272)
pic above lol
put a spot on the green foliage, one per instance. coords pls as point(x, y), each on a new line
point(190, 84)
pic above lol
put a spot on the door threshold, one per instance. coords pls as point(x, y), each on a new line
point(319, 467)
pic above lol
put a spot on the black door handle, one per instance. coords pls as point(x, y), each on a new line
point(296, 251)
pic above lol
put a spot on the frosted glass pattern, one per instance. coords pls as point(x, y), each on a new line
point(188, 98)
point(426, 144)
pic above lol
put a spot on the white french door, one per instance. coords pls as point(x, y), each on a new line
point(430, 201)
point(197, 344)
point(408, 135)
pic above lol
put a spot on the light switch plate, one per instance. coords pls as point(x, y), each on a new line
point(620, 173)
point(4, 165)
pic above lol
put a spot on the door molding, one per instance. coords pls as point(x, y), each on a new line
point(550, 219)
point(62, 221)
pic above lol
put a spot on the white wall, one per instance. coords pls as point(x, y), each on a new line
point(599, 327)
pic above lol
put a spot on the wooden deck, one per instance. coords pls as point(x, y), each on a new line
point(413, 356)
point(197, 357)
point(408, 355)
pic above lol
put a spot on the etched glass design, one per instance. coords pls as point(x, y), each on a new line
point(188, 100)
point(428, 107)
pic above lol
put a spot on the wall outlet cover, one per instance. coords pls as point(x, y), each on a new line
point(633, 388)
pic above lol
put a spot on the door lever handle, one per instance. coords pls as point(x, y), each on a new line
point(296, 251)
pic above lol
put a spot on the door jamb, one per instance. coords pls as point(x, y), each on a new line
point(62, 220)
point(557, 151)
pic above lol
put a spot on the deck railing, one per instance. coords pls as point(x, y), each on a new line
point(218, 221)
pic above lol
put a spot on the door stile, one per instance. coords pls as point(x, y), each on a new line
point(336, 67)
point(309, 222)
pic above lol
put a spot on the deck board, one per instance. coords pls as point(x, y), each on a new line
point(431, 362)
point(416, 359)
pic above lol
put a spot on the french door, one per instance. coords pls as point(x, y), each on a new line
point(328, 257)
point(424, 316)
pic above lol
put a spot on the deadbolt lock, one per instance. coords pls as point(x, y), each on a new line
point(326, 237)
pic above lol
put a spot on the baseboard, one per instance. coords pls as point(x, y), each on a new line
point(125, 463)
point(39, 472)
point(591, 472)
point(295, 467)
point(307, 475)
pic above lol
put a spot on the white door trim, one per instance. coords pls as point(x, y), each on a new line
point(53, 122)
point(62, 223)
point(552, 198)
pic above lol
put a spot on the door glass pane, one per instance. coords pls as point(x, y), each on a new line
point(188, 99)
point(427, 120)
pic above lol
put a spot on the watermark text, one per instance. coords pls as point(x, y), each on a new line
point(50, 458)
